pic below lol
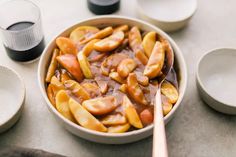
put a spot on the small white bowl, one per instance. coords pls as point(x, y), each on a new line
point(12, 96)
point(216, 79)
point(169, 15)
point(111, 138)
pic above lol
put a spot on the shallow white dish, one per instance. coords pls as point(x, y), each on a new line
point(12, 95)
point(169, 15)
point(110, 138)
point(216, 79)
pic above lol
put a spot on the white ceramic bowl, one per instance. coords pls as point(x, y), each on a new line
point(169, 15)
point(12, 95)
point(216, 76)
point(110, 138)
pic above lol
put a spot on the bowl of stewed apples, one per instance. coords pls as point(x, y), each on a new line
point(99, 78)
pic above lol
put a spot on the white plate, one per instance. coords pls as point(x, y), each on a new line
point(12, 94)
point(169, 15)
point(216, 78)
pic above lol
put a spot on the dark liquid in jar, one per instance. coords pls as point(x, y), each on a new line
point(24, 55)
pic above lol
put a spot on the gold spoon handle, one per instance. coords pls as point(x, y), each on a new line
point(159, 136)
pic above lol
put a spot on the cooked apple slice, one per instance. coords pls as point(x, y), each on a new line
point(84, 65)
point(143, 80)
point(71, 64)
point(123, 28)
point(89, 47)
point(155, 62)
point(84, 118)
point(148, 43)
point(123, 45)
point(125, 67)
point(64, 76)
point(62, 105)
point(167, 108)
point(97, 57)
point(114, 119)
point(166, 105)
point(105, 70)
point(99, 35)
point(66, 45)
point(82, 32)
point(169, 91)
point(52, 66)
point(103, 85)
point(146, 117)
point(135, 38)
point(116, 77)
point(100, 106)
point(141, 56)
point(135, 42)
point(111, 62)
point(56, 84)
point(53, 88)
point(77, 90)
point(131, 113)
point(51, 95)
point(119, 128)
point(123, 88)
point(134, 89)
point(92, 89)
point(109, 43)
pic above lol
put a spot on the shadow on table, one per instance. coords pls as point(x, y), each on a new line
point(221, 116)
point(142, 148)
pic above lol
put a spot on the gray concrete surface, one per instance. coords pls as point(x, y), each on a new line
point(196, 130)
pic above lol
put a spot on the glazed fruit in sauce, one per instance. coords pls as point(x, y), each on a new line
point(105, 79)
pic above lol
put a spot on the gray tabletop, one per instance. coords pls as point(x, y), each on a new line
point(195, 131)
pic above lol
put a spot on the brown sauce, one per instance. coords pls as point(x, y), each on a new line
point(110, 60)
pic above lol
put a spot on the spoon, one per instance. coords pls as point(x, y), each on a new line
point(159, 136)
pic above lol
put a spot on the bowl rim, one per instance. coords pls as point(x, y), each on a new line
point(210, 52)
point(22, 92)
point(142, 11)
point(106, 134)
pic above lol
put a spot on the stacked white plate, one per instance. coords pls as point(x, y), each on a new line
point(169, 15)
